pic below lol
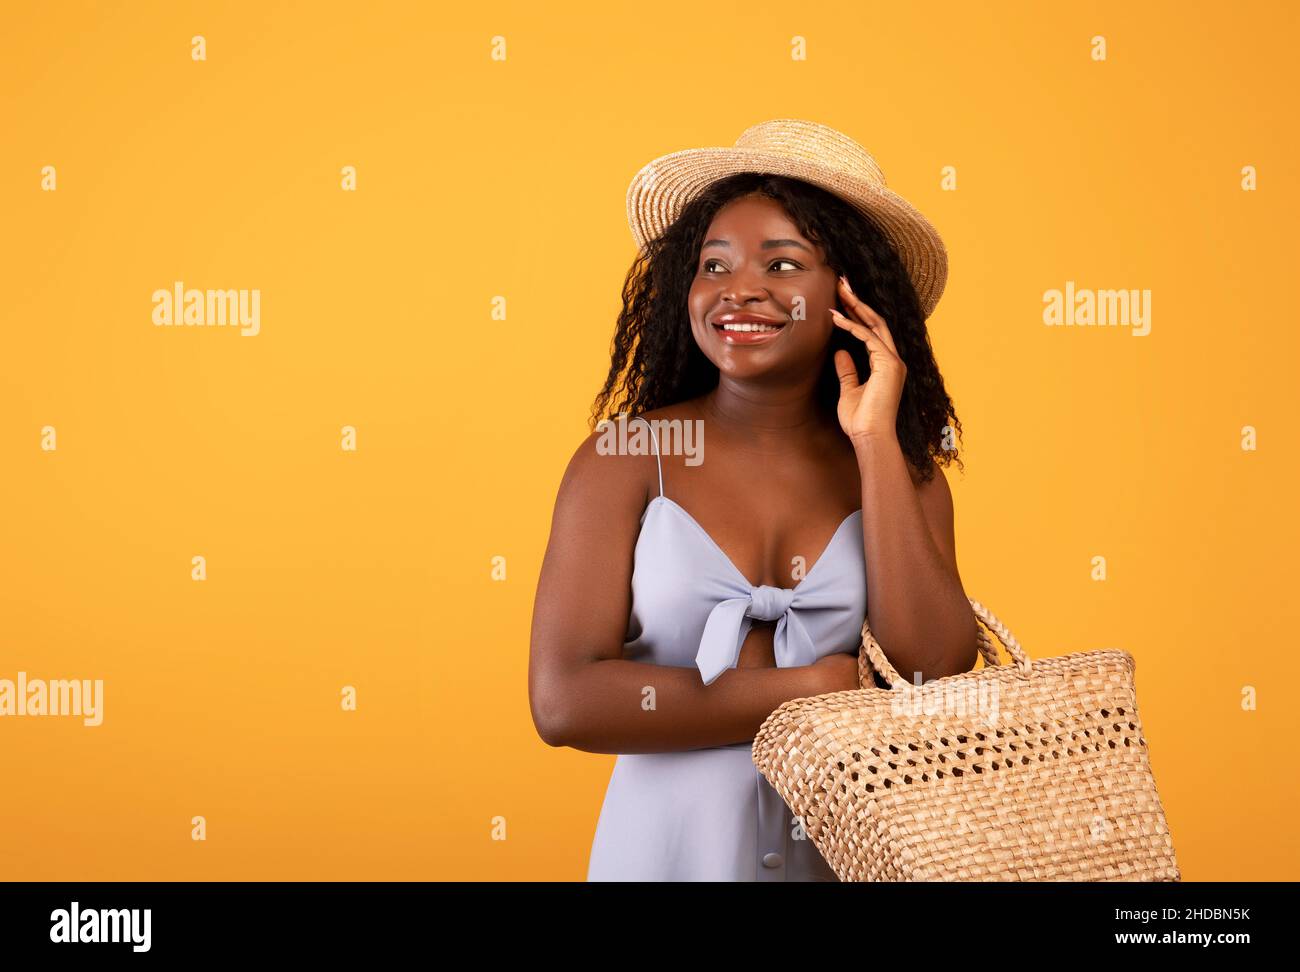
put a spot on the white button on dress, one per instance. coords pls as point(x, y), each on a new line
point(698, 815)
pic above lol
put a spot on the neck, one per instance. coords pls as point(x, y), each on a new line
point(763, 412)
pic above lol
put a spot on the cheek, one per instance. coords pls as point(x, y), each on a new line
point(816, 331)
point(816, 309)
point(697, 302)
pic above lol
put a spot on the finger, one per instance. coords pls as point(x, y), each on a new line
point(863, 314)
point(878, 353)
point(866, 313)
point(847, 370)
point(860, 331)
point(883, 330)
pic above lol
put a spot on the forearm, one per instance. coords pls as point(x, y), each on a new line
point(916, 607)
point(620, 706)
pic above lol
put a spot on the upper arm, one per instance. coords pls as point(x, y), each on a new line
point(936, 503)
point(584, 590)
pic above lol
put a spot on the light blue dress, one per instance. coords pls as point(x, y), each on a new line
point(708, 814)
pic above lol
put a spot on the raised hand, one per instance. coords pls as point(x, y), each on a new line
point(868, 409)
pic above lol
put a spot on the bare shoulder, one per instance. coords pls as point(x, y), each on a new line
point(937, 481)
point(677, 434)
point(613, 467)
point(935, 492)
point(681, 411)
point(936, 503)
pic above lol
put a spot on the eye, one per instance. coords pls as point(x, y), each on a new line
point(705, 267)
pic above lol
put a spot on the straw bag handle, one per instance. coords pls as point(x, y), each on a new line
point(872, 655)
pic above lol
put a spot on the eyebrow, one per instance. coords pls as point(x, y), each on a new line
point(766, 245)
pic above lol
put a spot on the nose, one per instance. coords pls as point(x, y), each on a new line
point(741, 286)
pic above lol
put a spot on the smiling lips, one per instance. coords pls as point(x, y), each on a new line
point(747, 329)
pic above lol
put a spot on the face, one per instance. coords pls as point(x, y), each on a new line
point(760, 302)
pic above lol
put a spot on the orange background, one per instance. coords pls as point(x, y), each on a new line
point(479, 178)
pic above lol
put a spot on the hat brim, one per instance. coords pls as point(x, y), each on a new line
point(659, 192)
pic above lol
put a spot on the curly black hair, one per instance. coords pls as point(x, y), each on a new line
point(654, 360)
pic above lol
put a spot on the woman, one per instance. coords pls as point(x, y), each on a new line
point(687, 593)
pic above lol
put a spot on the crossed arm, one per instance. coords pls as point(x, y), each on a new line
point(585, 695)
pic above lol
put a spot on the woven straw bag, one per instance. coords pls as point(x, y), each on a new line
point(1031, 772)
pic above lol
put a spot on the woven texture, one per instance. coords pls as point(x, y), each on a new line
point(803, 150)
point(1026, 772)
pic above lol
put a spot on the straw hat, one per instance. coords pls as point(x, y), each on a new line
point(804, 150)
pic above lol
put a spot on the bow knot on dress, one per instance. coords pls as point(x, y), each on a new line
point(769, 603)
point(709, 814)
point(729, 623)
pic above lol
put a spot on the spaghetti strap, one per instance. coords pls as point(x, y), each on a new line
point(655, 439)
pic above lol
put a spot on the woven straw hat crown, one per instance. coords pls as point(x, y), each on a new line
point(803, 150)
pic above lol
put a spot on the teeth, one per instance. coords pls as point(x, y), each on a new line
point(751, 327)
